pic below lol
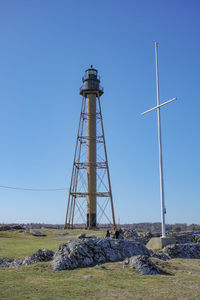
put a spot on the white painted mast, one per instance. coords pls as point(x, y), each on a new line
point(162, 198)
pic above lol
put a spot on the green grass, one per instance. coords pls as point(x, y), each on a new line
point(16, 245)
point(110, 281)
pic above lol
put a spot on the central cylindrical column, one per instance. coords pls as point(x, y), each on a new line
point(91, 160)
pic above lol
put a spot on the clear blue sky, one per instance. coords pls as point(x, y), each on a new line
point(44, 50)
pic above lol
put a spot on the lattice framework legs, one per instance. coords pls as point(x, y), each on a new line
point(79, 192)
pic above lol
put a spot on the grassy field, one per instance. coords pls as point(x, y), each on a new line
point(109, 281)
point(16, 245)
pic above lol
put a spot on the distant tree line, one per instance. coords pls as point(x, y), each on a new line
point(151, 227)
point(156, 227)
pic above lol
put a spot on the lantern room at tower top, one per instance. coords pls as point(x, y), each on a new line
point(91, 82)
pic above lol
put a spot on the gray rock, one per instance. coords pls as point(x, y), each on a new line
point(5, 262)
point(90, 236)
point(21, 231)
point(89, 252)
point(39, 256)
point(125, 263)
point(11, 227)
point(63, 234)
point(132, 235)
point(184, 238)
point(37, 232)
point(4, 227)
point(144, 265)
point(159, 254)
point(16, 263)
point(183, 250)
point(17, 227)
point(99, 267)
point(81, 236)
point(86, 236)
point(87, 276)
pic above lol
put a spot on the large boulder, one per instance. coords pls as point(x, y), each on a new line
point(144, 265)
point(37, 232)
point(86, 236)
point(183, 250)
point(89, 252)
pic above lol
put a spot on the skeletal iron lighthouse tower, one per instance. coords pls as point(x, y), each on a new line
point(90, 196)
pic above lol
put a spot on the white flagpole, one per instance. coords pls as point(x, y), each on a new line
point(163, 210)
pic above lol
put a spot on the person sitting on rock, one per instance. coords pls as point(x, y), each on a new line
point(107, 233)
point(116, 234)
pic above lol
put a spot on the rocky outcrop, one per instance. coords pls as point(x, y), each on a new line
point(86, 252)
point(38, 256)
point(11, 227)
point(143, 265)
point(183, 250)
point(132, 235)
point(196, 238)
point(5, 227)
point(184, 238)
point(89, 252)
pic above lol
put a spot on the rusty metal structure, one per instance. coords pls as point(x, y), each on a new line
point(90, 201)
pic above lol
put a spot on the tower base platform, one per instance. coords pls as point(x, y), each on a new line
point(156, 243)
